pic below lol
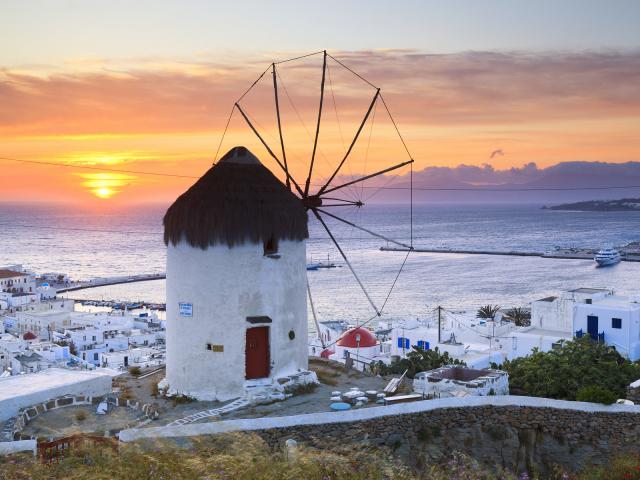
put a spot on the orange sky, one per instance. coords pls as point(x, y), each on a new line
point(167, 116)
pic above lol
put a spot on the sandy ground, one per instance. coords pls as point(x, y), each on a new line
point(65, 421)
point(333, 377)
point(318, 400)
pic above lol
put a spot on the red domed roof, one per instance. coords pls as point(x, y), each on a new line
point(350, 338)
point(29, 336)
point(326, 353)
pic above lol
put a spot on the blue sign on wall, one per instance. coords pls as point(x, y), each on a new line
point(186, 309)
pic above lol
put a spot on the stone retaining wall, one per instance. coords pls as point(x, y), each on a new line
point(511, 437)
point(508, 431)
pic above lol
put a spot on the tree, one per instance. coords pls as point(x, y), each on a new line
point(488, 312)
point(519, 316)
point(577, 364)
point(417, 360)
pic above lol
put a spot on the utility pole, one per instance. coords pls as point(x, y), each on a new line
point(439, 324)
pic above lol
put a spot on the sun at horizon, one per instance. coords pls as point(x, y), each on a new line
point(105, 185)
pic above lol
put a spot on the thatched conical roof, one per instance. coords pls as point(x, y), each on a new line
point(238, 200)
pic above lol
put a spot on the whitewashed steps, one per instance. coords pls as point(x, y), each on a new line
point(214, 412)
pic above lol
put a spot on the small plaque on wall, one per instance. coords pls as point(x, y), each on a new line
point(185, 309)
point(215, 348)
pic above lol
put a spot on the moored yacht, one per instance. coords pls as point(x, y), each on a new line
point(607, 256)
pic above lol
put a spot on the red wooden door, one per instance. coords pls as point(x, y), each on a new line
point(257, 352)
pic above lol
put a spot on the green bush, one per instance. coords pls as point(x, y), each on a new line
point(596, 394)
point(135, 371)
point(417, 360)
point(562, 372)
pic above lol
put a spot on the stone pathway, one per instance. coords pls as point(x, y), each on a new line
point(214, 412)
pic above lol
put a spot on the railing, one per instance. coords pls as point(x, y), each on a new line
point(56, 450)
point(598, 337)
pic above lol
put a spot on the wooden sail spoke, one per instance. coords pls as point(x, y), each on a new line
point(315, 141)
point(367, 177)
point(370, 232)
point(275, 94)
point(353, 142)
point(273, 155)
point(346, 260)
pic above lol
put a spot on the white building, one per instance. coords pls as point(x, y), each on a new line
point(20, 355)
point(236, 282)
point(14, 280)
point(142, 357)
point(42, 319)
point(21, 391)
point(556, 313)
point(465, 338)
point(597, 312)
point(611, 318)
point(90, 342)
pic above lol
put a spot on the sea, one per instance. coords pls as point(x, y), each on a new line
point(86, 244)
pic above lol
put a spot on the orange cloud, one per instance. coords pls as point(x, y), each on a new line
point(452, 108)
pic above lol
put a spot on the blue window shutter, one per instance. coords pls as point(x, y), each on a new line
point(400, 342)
point(407, 345)
point(420, 344)
point(426, 345)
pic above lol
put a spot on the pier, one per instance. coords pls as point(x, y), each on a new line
point(565, 254)
point(106, 281)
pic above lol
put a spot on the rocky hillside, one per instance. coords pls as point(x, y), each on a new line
point(622, 205)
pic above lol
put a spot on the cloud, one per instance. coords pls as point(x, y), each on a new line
point(478, 175)
point(424, 89)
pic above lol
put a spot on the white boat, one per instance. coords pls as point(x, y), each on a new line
point(607, 256)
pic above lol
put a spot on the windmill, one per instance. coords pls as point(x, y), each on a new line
point(323, 196)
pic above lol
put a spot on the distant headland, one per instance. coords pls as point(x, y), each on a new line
point(622, 205)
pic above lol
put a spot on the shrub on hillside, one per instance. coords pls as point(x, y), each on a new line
point(417, 360)
point(562, 372)
point(596, 394)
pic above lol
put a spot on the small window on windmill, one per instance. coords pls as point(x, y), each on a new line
point(271, 248)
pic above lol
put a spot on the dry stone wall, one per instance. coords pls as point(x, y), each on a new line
point(517, 438)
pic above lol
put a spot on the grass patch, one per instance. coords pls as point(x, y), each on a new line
point(154, 390)
point(181, 399)
point(126, 393)
point(327, 377)
point(247, 457)
point(232, 456)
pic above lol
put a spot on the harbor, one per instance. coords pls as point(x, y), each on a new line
point(629, 253)
point(107, 281)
